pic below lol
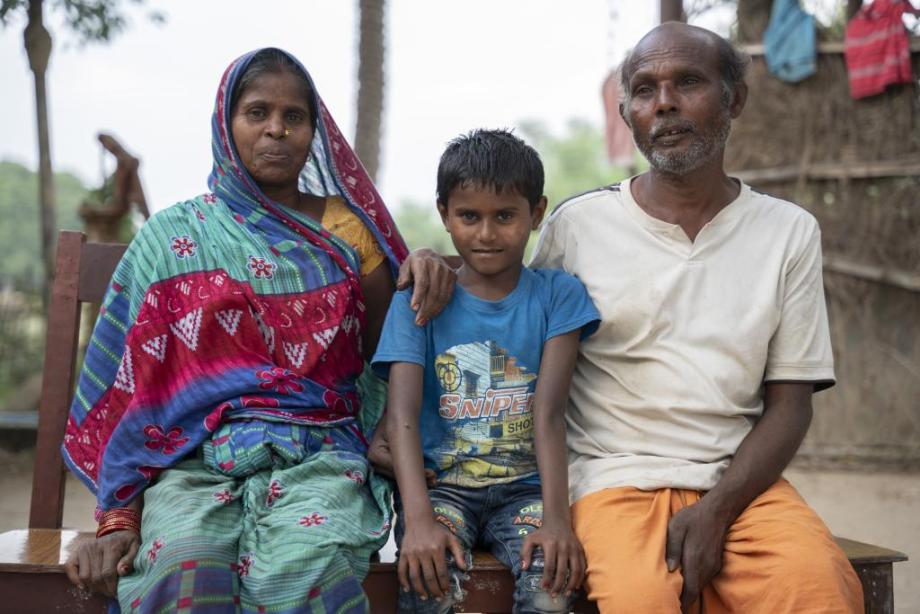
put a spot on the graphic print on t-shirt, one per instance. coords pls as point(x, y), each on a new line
point(486, 403)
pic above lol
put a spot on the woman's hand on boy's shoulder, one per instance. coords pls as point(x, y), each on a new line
point(563, 557)
point(433, 279)
point(423, 559)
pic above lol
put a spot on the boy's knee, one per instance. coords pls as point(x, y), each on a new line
point(531, 597)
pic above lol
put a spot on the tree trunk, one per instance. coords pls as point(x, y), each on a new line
point(753, 18)
point(370, 84)
point(38, 48)
point(671, 10)
point(853, 7)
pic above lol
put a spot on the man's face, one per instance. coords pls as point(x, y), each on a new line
point(677, 109)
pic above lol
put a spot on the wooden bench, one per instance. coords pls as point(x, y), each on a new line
point(31, 560)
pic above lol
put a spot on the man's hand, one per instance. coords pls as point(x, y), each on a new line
point(434, 283)
point(696, 541)
point(422, 562)
point(564, 558)
point(97, 564)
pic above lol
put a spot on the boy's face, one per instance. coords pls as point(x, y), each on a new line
point(490, 230)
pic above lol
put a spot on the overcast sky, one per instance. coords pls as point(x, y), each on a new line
point(450, 67)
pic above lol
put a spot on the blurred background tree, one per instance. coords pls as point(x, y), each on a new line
point(90, 21)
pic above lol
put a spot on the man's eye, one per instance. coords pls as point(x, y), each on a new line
point(642, 90)
point(691, 81)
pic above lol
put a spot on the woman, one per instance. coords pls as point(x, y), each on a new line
point(221, 382)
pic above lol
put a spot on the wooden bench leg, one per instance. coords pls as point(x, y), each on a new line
point(878, 587)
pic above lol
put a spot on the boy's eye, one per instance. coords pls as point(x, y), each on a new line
point(468, 216)
point(505, 216)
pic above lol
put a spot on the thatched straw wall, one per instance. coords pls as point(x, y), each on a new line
point(856, 166)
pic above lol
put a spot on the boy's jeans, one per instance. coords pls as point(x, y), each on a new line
point(497, 518)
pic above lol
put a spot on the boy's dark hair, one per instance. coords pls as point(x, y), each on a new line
point(491, 159)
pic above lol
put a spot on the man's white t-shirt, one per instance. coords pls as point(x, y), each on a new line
point(671, 383)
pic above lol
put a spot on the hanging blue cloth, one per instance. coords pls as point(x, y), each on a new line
point(789, 42)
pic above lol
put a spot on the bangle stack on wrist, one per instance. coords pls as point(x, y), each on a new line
point(119, 519)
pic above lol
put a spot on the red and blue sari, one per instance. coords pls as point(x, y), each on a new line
point(230, 338)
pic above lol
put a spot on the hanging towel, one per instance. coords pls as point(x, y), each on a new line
point(877, 48)
point(789, 42)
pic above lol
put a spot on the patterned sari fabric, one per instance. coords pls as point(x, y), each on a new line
point(228, 351)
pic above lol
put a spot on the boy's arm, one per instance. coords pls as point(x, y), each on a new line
point(421, 560)
point(562, 552)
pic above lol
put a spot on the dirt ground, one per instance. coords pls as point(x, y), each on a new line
point(879, 508)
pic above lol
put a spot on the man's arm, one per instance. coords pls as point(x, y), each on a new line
point(563, 554)
point(422, 564)
point(696, 534)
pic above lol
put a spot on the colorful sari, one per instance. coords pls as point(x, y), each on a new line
point(227, 352)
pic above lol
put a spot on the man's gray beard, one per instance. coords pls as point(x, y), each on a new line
point(704, 148)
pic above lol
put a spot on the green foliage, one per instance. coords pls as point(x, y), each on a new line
point(90, 20)
point(420, 225)
point(19, 209)
point(574, 161)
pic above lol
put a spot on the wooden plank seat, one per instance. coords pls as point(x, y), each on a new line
point(31, 560)
point(31, 568)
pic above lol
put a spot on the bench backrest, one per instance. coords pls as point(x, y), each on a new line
point(81, 275)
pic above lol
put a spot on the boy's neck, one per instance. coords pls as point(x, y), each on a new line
point(489, 287)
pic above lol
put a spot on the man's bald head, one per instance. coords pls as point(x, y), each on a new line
point(732, 63)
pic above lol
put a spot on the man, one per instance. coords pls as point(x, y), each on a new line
point(695, 393)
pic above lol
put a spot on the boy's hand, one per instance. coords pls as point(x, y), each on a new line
point(563, 558)
point(422, 561)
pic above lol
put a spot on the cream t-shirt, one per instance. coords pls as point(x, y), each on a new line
point(672, 381)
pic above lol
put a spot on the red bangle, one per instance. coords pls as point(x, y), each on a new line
point(119, 519)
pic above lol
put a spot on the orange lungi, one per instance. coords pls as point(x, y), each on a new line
point(779, 556)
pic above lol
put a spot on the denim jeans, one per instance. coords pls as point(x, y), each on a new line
point(497, 519)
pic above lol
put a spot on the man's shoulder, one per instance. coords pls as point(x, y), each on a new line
point(582, 201)
point(779, 210)
point(547, 281)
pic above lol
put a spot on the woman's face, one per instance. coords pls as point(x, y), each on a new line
point(272, 129)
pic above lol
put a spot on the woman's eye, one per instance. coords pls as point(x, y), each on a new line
point(294, 117)
point(256, 113)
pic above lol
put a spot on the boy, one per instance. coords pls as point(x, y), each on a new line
point(477, 395)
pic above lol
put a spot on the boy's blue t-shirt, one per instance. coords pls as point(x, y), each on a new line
point(481, 361)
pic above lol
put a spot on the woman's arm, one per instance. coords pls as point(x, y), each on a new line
point(97, 564)
point(377, 287)
point(432, 277)
point(564, 557)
